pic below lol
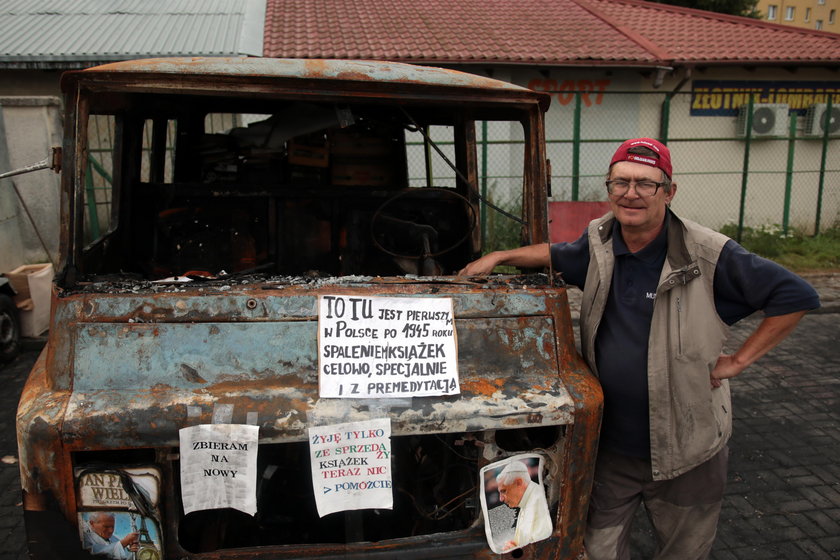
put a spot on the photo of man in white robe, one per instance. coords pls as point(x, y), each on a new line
point(525, 497)
point(99, 538)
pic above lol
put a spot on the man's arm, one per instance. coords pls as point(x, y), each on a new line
point(769, 333)
point(530, 256)
point(98, 546)
point(130, 540)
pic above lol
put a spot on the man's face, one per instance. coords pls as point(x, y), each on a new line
point(638, 214)
point(103, 526)
point(511, 494)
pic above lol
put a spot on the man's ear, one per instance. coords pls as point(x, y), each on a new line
point(669, 196)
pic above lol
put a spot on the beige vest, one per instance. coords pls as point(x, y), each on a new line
point(689, 421)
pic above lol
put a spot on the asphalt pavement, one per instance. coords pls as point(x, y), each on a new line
point(783, 495)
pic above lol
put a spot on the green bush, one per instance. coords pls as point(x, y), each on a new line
point(794, 250)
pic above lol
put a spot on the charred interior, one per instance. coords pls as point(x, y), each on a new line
point(205, 186)
point(435, 482)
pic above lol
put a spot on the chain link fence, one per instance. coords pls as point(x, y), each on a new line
point(781, 172)
point(501, 160)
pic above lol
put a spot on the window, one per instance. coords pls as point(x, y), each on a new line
point(790, 12)
point(821, 2)
point(99, 173)
point(771, 12)
point(831, 15)
point(819, 24)
point(807, 14)
point(158, 151)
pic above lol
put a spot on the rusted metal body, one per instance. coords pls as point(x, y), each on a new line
point(129, 361)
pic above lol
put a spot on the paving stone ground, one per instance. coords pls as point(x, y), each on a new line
point(783, 495)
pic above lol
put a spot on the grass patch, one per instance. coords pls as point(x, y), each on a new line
point(794, 250)
point(502, 232)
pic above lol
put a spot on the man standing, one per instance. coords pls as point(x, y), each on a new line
point(99, 539)
point(517, 490)
point(659, 293)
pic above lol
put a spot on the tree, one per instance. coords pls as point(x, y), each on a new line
point(732, 7)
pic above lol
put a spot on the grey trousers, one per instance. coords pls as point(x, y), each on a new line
point(684, 511)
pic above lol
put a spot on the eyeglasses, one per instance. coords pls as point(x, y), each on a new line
point(620, 187)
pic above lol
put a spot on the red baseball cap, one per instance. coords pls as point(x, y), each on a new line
point(663, 161)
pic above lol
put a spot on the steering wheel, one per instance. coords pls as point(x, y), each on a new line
point(422, 223)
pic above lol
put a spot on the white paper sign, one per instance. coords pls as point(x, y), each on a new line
point(219, 467)
point(377, 347)
point(351, 466)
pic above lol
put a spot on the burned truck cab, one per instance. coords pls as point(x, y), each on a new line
point(213, 211)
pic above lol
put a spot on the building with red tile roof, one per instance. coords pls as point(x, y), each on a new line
point(615, 69)
point(612, 33)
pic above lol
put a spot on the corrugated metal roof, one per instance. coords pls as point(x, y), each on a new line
point(534, 32)
point(73, 33)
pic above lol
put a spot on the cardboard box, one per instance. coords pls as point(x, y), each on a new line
point(308, 155)
point(366, 174)
point(306, 176)
point(33, 284)
point(346, 143)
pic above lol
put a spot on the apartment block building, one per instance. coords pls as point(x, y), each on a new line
point(820, 15)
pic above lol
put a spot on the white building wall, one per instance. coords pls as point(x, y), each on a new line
point(11, 248)
point(32, 125)
point(708, 155)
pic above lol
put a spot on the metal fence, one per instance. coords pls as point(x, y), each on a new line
point(759, 166)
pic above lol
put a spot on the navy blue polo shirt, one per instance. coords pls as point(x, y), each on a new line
point(743, 283)
point(621, 344)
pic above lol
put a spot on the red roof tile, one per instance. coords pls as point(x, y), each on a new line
point(696, 36)
point(534, 32)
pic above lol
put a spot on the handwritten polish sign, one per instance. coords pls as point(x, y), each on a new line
point(377, 347)
point(351, 466)
point(219, 467)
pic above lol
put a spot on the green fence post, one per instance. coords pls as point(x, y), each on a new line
point(90, 195)
point(665, 119)
point(823, 157)
point(745, 172)
point(483, 180)
point(427, 152)
point(789, 173)
point(101, 170)
point(576, 150)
